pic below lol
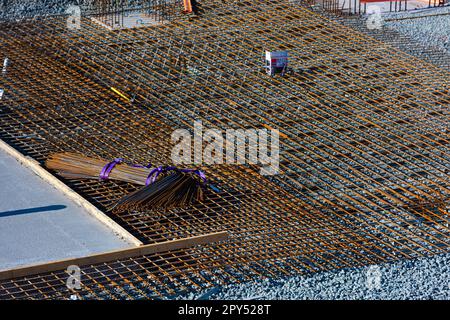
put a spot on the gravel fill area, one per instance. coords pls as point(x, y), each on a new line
point(425, 38)
point(421, 279)
point(17, 9)
point(423, 27)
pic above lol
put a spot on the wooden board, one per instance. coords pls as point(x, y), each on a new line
point(114, 255)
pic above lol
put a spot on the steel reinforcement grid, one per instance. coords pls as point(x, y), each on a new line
point(364, 142)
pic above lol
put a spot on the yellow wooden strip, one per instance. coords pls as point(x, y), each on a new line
point(120, 93)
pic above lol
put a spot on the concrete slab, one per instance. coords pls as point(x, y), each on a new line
point(134, 19)
point(39, 224)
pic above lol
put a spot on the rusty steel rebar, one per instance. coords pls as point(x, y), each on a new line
point(364, 141)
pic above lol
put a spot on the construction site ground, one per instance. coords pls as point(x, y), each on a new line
point(364, 142)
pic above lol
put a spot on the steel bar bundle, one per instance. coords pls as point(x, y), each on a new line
point(178, 189)
point(75, 166)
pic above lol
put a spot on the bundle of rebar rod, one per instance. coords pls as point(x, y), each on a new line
point(165, 187)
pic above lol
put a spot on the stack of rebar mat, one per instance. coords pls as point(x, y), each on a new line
point(165, 187)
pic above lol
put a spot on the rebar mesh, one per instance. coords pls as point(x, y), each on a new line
point(363, 146)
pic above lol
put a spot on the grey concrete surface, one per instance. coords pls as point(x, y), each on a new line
point(38, 223)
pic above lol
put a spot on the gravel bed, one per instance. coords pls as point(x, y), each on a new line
point(427, 40)
point(421, 279)
point(421, 26)
point(17, 9)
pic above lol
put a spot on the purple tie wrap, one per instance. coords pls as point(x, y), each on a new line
point(153, 175)
point(104, 174)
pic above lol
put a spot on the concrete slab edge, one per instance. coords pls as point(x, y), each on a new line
point(114, 255)
point(33, 165)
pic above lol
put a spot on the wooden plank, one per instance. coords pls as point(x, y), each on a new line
point(114, 255)
point(68, 192)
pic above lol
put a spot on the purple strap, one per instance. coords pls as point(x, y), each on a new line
point(153, 175)
point(151, 178)
point(104, 174)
